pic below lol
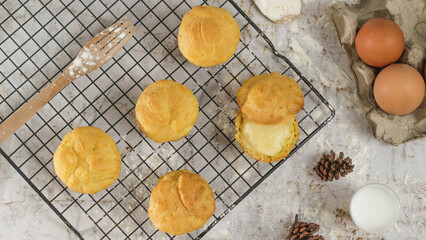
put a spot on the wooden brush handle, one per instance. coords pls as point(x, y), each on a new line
point(29, 109)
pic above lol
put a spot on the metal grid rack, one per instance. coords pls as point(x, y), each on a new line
point(42, 37)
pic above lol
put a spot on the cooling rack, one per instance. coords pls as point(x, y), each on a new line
point(40, 38)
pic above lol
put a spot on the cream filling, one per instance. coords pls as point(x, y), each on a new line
point(268, 139)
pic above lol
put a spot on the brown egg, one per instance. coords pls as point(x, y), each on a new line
point(379, 42)
point(399, 89)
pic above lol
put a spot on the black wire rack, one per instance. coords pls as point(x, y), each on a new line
point(40, 38)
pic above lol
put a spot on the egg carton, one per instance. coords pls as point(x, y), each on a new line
point(42, 39)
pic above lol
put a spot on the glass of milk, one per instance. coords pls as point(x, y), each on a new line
point(375, 208)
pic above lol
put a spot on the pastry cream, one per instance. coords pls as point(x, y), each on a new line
point(268, 139)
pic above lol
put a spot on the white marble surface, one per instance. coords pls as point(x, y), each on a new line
point(268, 211)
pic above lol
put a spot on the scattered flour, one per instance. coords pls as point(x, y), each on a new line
point(282, 11)
point(76, 63)
point(298, 55)
point(86, 55)
point(81, 63)
point(221, 233)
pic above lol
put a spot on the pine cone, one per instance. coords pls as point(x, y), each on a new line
point(329, 168)
point(303, 231)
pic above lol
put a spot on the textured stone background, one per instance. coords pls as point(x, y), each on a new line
point(268, 211)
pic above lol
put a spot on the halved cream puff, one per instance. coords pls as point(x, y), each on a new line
point(266, 125)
